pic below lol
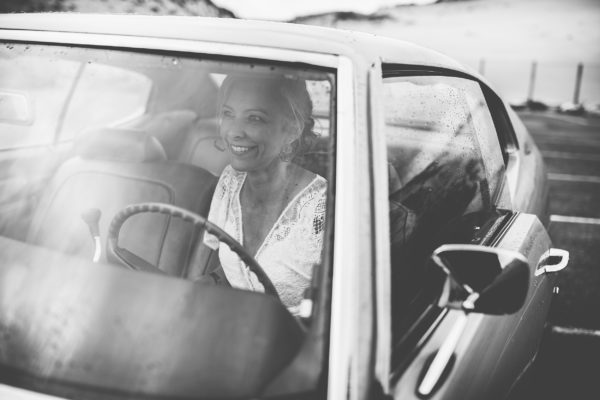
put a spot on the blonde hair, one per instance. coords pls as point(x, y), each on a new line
point(294, 94)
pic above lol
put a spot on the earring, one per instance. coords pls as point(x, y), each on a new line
point(287, 153)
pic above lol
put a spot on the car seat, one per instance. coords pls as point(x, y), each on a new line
point(169, 127)
point(112, 169)
point(203, 147)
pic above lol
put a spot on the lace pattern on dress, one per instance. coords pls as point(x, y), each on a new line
point(291, 248)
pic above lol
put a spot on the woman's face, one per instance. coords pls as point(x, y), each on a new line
point(253, 125)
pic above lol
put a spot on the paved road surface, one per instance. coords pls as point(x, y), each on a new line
point(568, 365)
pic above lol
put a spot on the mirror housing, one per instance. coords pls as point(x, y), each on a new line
point(482, 279)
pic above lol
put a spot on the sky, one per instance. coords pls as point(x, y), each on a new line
point(507, 36)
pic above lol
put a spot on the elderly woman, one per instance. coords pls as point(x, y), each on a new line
point(272, 206)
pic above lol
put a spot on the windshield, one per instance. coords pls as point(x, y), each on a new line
point(162, 219)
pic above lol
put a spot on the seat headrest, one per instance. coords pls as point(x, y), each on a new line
point(124, 145)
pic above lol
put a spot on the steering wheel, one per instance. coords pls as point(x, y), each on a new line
point(135, 262)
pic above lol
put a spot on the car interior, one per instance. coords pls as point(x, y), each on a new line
point(168, 152)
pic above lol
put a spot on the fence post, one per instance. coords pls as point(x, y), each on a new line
point(482, 66)
point(532, 80)
point(578, 78)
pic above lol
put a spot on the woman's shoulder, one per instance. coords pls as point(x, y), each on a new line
point(314, 189)
point(311, 205)
point(310, 178)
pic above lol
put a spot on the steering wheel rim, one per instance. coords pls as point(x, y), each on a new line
point(198, 221)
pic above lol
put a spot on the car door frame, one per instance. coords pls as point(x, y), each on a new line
point(443, 322)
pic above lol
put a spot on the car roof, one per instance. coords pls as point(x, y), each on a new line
point(245, 32)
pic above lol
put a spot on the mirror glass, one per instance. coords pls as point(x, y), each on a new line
point(475, 266)
point(482, 279)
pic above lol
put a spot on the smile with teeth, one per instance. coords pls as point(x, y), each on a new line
point(239, 150)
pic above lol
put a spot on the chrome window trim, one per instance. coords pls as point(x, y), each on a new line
point(513, 167)
point(345, 249)
point(490, 149)
point(12, 392)
point(381, 244)
point(168, 44)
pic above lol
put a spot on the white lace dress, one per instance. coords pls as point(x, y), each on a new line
point(289, 251)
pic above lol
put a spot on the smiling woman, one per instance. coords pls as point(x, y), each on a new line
point(274, 207)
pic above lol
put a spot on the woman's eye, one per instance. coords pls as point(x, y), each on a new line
point(226, 114)
point(255, 118)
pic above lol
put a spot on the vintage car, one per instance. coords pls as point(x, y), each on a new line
point(436, 271)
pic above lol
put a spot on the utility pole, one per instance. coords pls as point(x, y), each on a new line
point(532, 80)
point(482, 66)
point(578, 78)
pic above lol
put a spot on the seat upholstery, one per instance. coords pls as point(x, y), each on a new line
point(169, 127)
point(114, 168)
point(203, 147)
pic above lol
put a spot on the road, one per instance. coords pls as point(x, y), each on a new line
point(566, 366)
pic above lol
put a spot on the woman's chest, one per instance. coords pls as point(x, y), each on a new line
point(258, 220)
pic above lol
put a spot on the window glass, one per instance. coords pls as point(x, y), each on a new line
point(436, 174)
point(33, 92)
point(150, 147)
point(105, 95)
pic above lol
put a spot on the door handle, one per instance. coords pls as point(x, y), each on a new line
point(432, 378)
point(553, 260)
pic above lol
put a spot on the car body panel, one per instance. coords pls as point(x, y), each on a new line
point(243, 33)
point(526, 174)
point(493, 351)
point(14, 393)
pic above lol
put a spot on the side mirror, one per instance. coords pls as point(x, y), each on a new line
point(482, 279)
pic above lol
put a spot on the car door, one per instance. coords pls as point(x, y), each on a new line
point(447, 184)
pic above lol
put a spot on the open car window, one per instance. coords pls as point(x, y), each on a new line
point(120, 128)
